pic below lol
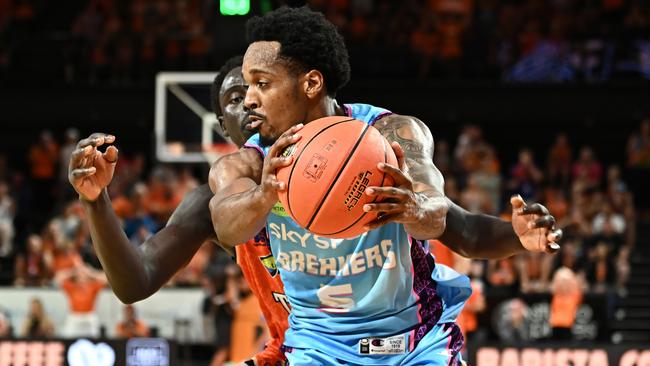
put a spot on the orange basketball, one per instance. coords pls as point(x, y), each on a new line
point(333, 163)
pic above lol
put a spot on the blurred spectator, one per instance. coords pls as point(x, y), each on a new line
point(137, 214)
point(66, 193)
point(474, 198)
point(534, 271)
point(452, 17)
point(69, 223)
point(43, 158)
point(622, 201)
point(525, 176)
point(566, 299)
point(7, 213)
point(37, 324)
point(513, 326)
point(193, 273)
point(608, 222)
point(248, 326)
point(559, 162)
point(586, 202)
point(587, 167)
point(219, 305)
point(185, 182)
point(469, 148)
point(502, 273)
point(33, 268)
point(488, 179)
point(557, 204)
point(5, 325)
point(623, 269)
point(65, 258)
point(81, 284)
point(638, 146)
point(162, 199)
point(131, 326)
point(615, 183)
point(601, 273)
point(571, 256)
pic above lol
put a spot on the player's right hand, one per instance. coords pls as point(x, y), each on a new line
point(274, 160)
point(90, 170)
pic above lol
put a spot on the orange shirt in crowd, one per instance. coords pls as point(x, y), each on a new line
point(65, 260)
point(43, 161)
point(564, 308)
point(260, 271)
point(123, 207)
point(81, 296)
point(244, 331)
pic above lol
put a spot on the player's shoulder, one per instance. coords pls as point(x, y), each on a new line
point(241, 157)
point(243, 162)
point(394, 120)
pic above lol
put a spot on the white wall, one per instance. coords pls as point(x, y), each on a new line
point(161, 309)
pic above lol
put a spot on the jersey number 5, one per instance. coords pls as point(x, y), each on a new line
point(336, 299)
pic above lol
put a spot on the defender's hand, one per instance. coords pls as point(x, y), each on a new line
point(90, 170)
point(534, 226)
point(270, 185)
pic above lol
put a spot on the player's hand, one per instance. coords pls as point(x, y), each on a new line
point(534, 226)
point(270, 185)
point(403, 204)
point(90, 170)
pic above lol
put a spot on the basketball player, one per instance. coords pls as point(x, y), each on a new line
point(376, 299)
point(136, 273)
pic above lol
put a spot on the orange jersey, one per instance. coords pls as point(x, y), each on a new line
point(564, 309)
point(82, 296)
point(258, 267)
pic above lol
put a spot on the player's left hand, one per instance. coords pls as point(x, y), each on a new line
point(534, 226)
point(402, 202)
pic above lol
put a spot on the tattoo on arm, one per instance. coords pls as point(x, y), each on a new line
point(391, 131)
point(416, 141)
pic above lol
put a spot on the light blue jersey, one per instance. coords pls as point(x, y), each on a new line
point(369, 300)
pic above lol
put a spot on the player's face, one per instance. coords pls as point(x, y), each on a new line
point(274, 98)
point(231, 100)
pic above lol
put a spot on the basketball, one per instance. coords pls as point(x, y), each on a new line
point(333, 163)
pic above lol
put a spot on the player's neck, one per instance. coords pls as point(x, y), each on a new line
point(327, 107)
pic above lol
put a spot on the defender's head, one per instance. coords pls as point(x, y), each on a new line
point(227, 96)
